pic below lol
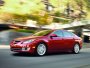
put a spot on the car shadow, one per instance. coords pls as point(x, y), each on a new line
point(60, 53)
point(31, 55)
point(22, 55)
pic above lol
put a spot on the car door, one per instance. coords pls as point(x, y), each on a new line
point(68, 40)
point(57, 42)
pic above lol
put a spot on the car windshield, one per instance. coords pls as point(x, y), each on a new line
point(42, 33)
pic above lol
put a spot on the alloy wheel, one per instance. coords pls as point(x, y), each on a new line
point(41, 49)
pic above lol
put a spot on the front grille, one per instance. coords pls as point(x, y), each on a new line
point(15, 42)
point(16, 49)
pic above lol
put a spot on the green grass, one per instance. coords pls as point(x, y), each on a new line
point(25, 30)
point(86, 45)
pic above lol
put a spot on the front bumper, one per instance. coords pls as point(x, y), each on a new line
point(22, 49)
point(18, 46)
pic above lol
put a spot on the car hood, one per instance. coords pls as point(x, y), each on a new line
point(28, 37)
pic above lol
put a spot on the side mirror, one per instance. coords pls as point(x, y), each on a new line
point(53, 35)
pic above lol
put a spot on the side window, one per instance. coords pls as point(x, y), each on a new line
point(67, 34)
point(72, 34)
point(58, 33)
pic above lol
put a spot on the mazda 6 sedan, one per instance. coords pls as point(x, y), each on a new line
point(48, 41)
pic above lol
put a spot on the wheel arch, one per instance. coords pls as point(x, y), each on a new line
point(43, 43)
point(78, 44)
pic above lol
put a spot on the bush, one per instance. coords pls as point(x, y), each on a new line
point(25, 30)
point(59, 19)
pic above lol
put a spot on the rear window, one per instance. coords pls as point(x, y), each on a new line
point(68, 34)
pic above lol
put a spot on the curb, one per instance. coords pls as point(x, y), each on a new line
point(4, 46)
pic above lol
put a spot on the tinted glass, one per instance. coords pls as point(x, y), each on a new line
point(42, 33)
point(58, 33)
point(67, 34)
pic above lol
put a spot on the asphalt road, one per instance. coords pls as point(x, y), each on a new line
point(9, 59)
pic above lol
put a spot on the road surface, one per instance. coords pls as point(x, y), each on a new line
point(9, 59)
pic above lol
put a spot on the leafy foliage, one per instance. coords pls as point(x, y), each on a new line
point(25, 30)
point(87, 4)
point(18, 11)
point(22, 6)
point(42, 18)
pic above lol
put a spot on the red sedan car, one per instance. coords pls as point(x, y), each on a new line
point(47, 41)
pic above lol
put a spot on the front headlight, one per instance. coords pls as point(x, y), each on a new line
point(29, 41)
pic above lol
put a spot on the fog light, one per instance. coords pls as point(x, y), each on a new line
point(25, 49)
point(28, 49)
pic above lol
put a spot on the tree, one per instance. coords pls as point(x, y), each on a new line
point(22, 7)
point(21, 10)
point(13, 18)
point(87, 2)
point(42, 18)
point(18, 11)
point(6, 17)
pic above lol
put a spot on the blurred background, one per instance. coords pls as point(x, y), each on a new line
point(25, 17)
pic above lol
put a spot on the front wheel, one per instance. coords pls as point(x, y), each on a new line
point(41, 49)
point(76, 49)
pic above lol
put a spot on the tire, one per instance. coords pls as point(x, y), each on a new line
point(41, 49)
point(76, 49)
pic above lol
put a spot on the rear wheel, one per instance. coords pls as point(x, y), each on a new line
point(76, 49)
point(41, 49)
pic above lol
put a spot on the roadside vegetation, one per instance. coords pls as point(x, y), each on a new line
point(25, 30)
point(44, 12)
